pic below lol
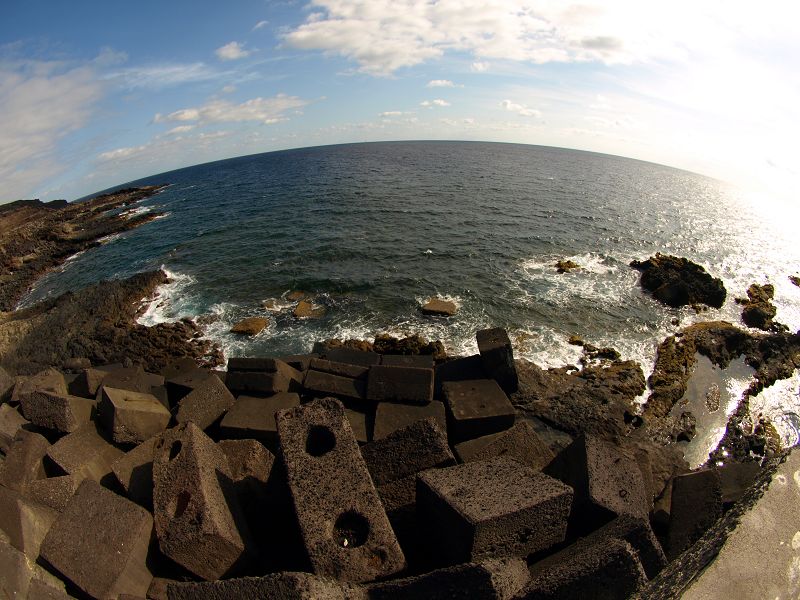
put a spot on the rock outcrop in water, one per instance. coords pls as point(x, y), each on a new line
point(679, 282)
point(757, 309)
point(35, 238)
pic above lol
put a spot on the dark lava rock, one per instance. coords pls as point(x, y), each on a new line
point(758, 311)
point(99, 323)
point(678, 281)
point(566, 266)
point(413, 344)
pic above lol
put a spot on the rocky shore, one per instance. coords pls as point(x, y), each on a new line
point(130, 468)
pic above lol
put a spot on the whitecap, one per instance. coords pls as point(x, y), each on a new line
point(170, 302)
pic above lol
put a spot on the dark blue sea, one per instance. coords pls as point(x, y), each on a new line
point(372, 230)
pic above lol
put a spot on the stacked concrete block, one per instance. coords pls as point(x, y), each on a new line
point(520, 442)
point(198, 518)
point(100, 543)
point(696, 506)
point(338, 368)
point(459, 369)
point(597, 567)
point(606, 483)
point(286, 586)
point(361, 424)
point(353, 357)
point(48, 380)
point(735, 478)
point(254, 417)
point(638, 533)
point(6, 385)
point(344, 526)
point(24, 460)
point(325, 384)
point(10, 422)
point(390, 417)
point(53, 492)
point(20, 577)
point(131, 417)
point(133, 379)
point(475, 408)
point(419, 361)
point(88, 382)
point(408, 385)
point(498, 358)
point(58, 412)
point(85, 453)
point(492, 579)
point(24, 522)
point(496, 507)
point(262, 376)
point(205, 404)
point(301, 362)
point(134, 472)
point(181, 378)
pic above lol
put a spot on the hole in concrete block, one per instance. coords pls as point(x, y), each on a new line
point(179, 503)
point(175, 449)
point(351, 530)
point(320, 440)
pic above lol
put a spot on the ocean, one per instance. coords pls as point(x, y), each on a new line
point(374, 229)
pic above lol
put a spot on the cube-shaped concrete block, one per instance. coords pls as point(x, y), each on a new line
point(199, 522)
point(606, 483)
point(23, 462)
point(248, 460)
point(390, 417)
point(595, 567)
point(638, 533)
point(262, 376)
point(337, 368)
point(205, 403)
point(353, 357)
point(133, 379)
point(696, 506)
point(344, 526)
point(495, 507)
point(420, 361)
point(254, 418)
point(134, 472)
point(498, 357)
point(100, 543)
point(58, 412)
point(361, 424)
point(85, 453)
point(324, 384)
point(458, 369)
point(131, 417)
point(48, 380)
point(476, 407)
point(53, 492)
point(519, 442)
point(19, 576)
point(498, 579)
point(24, 521)
point(10, 422)
point(408, 385)
point(6, 384)
point(283, 586)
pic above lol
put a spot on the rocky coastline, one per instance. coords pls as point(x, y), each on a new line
point(79, 367)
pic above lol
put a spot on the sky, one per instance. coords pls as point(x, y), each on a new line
point(97, 93)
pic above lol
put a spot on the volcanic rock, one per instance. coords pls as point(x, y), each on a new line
point(250, 326)
point(566, 266)
point(758, 311)
point(308, 310)
point(439, 307)
point(679, 282)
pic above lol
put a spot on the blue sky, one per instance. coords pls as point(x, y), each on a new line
point(94, 94)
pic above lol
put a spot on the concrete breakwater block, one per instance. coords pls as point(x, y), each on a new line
point(519, 442)
point(390, 417)
point(353, 357)
point(327, 384)
point(63, 413)
point(23, 462)
point(497, 354)
point(476, 407)
point(400, 384)
point(344, 526)
point(53, 492)
point(606, 483)
point(496, 507)
point(134, 472)
point(100, 543)
point(131, 417)
point(10, 422)
point(133, 379)
point(419, 361)
point(85, 453)
point(48, 380)
point(24, 522)
point(286, 586)
point(339, 368)
point(198, 520)
point(696, 506)
point(254, 417)
point(262, 376)
point(205, 403)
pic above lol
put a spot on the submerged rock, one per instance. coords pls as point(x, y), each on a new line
point(307, 310)
point(439, 307)
point(411, 345)
point(679, 282)
point(566, 266)
point(250, 326)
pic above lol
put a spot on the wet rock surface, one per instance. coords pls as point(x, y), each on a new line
point(677, 281)
point(757, 310)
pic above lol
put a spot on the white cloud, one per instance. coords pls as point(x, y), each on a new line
point(259, 25)
point(229, 89)
point(444, 83)
point(479, 66)
point(520, 109)
point(231, 51)
point(263, 110)
point(40, 104)
point(180, 129)
point(391, 113)
point(432, 103)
